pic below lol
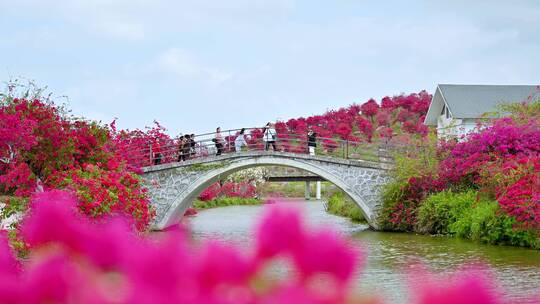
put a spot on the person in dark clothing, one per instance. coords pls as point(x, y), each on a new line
point(156, 153)
point(219, 146)
point(218, 141)
point(192, 145)
point(186, 148)
point(312, 142)
point(181, 144)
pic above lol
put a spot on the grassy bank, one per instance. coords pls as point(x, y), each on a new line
point(226, 201)
point(294, 189)
point(470, 215)
point(340, 204)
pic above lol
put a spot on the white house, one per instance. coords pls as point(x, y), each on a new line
point(455, 108)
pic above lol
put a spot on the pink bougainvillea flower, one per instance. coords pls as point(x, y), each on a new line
point(57, 207)
point(466, 288)
point(280, 231)
point(9, 271)
point(219, 263)
point(335, 256)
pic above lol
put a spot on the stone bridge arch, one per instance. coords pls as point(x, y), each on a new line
point(174, 187)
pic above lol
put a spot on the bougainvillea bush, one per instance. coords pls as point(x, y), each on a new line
point(139, 148)
point(43, 148)
point(101, 192)
point(228, 189)
point(500, 162)
point(367, 122)
point(73, 260)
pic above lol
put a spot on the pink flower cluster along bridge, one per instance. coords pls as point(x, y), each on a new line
point(176, 175)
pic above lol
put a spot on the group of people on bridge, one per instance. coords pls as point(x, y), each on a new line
point(269, 138)
point(188, 148)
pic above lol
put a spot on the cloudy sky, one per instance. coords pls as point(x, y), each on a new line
point(197, 64)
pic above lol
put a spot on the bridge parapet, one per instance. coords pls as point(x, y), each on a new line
point(162, 151)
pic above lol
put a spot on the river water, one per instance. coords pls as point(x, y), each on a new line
point(390, 256)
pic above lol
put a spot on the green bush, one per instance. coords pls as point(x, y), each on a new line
point(340, 204)
point(443, 209)
point(485, 223)
point(226, 201)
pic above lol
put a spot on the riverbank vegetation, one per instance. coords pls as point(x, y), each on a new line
point(226, 201)
point(483, 187)
point(340, 204)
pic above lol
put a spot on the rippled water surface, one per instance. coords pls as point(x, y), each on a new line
point(390, 255)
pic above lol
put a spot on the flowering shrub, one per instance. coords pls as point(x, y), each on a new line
point(136, 146)
point(402, 215)
point(16, 133)
point(504, 139)
point(228, 189)
point(501, 161)
point(366, 128)
point(101, 192)
point(347, 123)
point(42, 148)
point(75, 260)
point(18, 179)
point(383, 118)
point(210, 193)
point(521, 199)
point(370, 108)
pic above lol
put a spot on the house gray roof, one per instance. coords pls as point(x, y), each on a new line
point(471, 101)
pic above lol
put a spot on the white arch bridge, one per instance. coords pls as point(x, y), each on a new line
point(173, 187)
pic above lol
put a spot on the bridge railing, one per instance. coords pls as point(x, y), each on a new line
point(211, 144)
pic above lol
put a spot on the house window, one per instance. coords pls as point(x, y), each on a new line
point(445, 112)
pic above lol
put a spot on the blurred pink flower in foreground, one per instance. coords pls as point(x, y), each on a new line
point(74, 260)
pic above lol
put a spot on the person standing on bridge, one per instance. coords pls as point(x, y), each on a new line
point(192, 145)
point(156, 152)
point(186, 148)
point(181, 144)
point(218, 141)
point(269, 136)
point(240, 141)
point(312, 142)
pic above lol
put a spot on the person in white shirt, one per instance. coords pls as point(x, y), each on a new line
point(240, 141)
point(269, 136)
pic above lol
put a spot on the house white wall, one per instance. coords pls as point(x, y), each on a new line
point(455, 127)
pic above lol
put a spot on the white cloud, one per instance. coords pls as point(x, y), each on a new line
point(137, 19)
point(118, 29)
point(184, 65)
